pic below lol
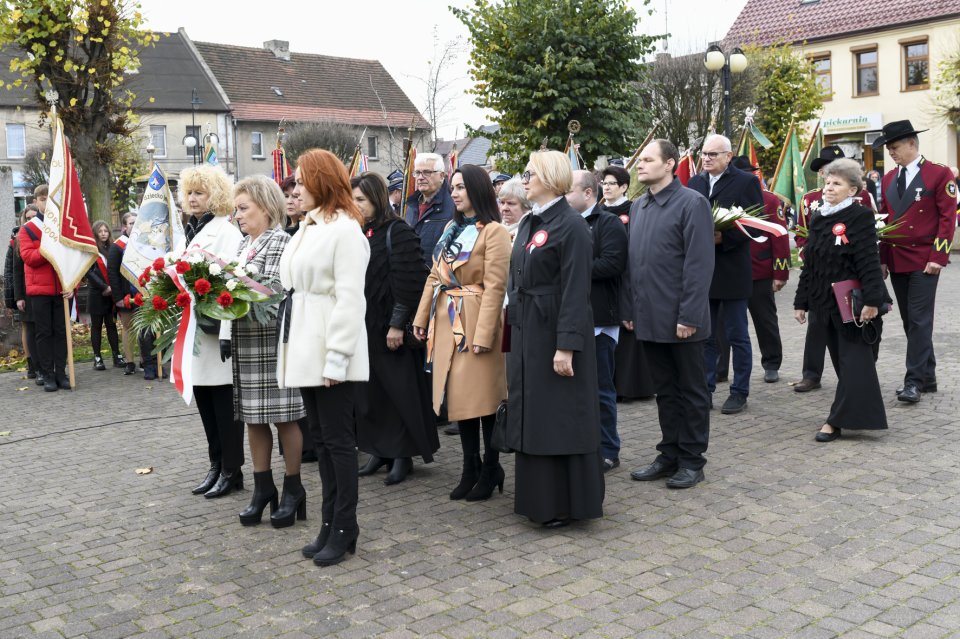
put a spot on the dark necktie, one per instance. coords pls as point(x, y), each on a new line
point(902, 182)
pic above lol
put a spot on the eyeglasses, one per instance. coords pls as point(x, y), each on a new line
point(423, 173)
point(526, 175)
point(610, 184)
point(713, 155)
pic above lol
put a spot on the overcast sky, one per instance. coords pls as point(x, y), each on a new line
point(399, 34)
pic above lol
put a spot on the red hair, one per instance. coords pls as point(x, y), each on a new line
point(325, 177)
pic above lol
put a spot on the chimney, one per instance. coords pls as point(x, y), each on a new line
point(280, 48)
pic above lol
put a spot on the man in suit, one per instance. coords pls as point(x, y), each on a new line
point(609, 262)
point(430, 208)
point(666, 302)
point(922, 197)
point(724, 186)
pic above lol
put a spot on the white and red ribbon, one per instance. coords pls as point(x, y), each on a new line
point(773, 229)
point(840, 230)
point(181, 366)
point(539, 239)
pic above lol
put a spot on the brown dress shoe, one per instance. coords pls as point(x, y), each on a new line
point(806, 385)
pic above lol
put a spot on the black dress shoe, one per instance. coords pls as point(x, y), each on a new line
point(50, 385)
point(734, 404)
point(610, 464)
point(928, 387)
point(63, 381)
point(373, 465)
point(452, 429)
point(556, 523)
point(910, 394)
point(685, 478)
point(40, 378)
point(402, 466)
point(771, 376)
point(824, 437)
point(226, 483)
point(806, 385)
point(208, 481)
point(656, 470)
point(98, 364)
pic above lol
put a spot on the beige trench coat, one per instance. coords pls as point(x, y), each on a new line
point(474, 384)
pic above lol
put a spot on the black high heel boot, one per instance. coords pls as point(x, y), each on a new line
point(373, 465)
point(293, 503)
point(338, 545)
point(402, 466)
point(226, 483)
point(491, 475)
point(31, 371)
point(209, 480)
point(468, 478)
point(264, 492)
point(315, 546)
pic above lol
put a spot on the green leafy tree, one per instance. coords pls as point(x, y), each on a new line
point(128, 164)
point(541, 64)
point(81, 49)
point(947, 87)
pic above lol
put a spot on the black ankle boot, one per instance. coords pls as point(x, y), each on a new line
point(292, 504)
point(98, 364)
point(264, 492)
point(315, 546)
point(338, 545)
point(31, 371)
point(468, 478)
point(40, 378)
point(373, 465)
point(491, 476)
point(209, 480)
point(118, 361)
point(402, 466)
point(129, 368)
point(226, 483)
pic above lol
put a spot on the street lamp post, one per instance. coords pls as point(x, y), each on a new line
point(191, 141)
point(714, 59)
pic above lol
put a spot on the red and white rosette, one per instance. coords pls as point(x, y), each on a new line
point(181, 368)
point(625, 218)
point(775, 230)
point(840, 231)
point(539, 239)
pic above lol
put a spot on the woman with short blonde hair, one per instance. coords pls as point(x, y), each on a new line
point(552, 169)
point(210, 180)
point(265, 195)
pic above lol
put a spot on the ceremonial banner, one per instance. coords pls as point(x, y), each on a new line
point(454, 161)
point(281, 168)
point(571, 152)
point(210, 154)
point(359, 164)
point(789, 181)
point(158, 230)
point(685, 168)
point(812, 153)
point(67, 241)
point(409, 183)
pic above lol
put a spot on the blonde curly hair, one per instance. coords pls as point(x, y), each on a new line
point(207, 179)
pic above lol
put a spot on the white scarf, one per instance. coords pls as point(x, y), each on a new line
point(829, 209)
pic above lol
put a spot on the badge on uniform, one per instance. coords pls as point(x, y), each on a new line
point(625, 219)
point(952, 188)
point(539, 239)
point(840, 230)
point(919, 191)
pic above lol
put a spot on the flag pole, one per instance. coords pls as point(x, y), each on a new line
point(783, 153)
point(806, 154)
point(646, 141)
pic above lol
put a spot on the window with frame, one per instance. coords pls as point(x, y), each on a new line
point(256, 144)
point(822, 70)
point(866, 80)
point(372, 147)
point(916, 65)
point(16, 140)
point(158, 137)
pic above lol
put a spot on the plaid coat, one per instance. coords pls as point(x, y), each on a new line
point(256, 397)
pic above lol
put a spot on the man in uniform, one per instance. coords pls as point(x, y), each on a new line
point(815, 344)
point(922, 197)
point(395, 190)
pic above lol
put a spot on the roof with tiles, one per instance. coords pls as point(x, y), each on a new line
point(765, 22)
point(263, 86)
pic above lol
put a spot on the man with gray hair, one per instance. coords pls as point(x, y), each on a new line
point(430, 208)
point(609, 262)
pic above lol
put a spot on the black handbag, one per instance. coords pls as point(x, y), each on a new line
point(498, 438)
point(409, 339)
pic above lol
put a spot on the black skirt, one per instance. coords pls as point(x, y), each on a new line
point(393, 410)
point(632, 376)
point(559, 487)
point(858, 403)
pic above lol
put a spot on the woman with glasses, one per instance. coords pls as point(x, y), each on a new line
point(460, 317)
point(632, 375)
point(553, 413)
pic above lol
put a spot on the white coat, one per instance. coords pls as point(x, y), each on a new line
point(325, 265)
point(220, 237)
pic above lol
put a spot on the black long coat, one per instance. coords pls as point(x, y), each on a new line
point(97, 302)
point(732, 270)
point(549, 309)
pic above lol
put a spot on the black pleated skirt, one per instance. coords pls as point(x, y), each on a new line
point(632, 376)
point(858, 403)
point(559, 487)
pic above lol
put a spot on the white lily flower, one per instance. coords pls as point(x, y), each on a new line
point(215, 269)
point(231, 284)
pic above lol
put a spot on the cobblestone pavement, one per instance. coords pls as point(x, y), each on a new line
point(786, 538)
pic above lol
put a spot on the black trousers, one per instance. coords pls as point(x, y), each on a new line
point(330, 411)
point(224, 435)
point(50, 334)
point(814, 346)
point(763, 312)
point(146, 341)
point(916, 296)
point(858, 402)
point(97, 322)
point(683, 401)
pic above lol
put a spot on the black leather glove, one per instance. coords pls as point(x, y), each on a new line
point(225, 351)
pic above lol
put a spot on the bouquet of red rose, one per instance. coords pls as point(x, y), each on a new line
point(214, 289)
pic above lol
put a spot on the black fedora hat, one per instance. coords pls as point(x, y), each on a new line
point(895, 131)
point(827, 155)
point(742, 162)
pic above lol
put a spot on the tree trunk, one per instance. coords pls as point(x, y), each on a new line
point(94, 177)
